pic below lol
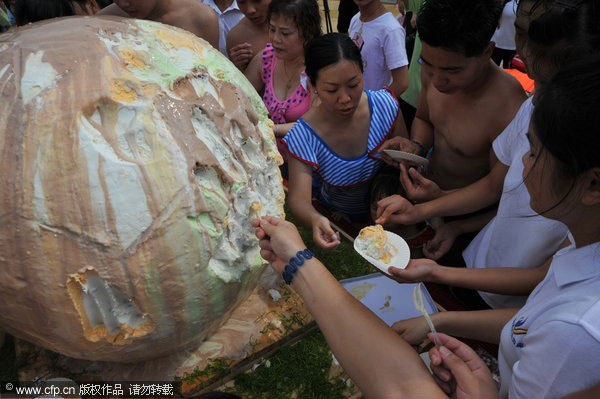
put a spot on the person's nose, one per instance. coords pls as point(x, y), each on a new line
point(275, 37)
point(344, 96)
point(439, 80)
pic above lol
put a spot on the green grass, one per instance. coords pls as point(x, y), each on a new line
point(298, 371)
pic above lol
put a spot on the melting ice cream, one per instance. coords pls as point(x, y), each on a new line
point(373, 241)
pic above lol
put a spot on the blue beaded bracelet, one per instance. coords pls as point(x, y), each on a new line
point(294, 263)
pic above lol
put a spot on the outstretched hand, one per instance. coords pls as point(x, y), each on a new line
point(279, 240)
point(417, 187)
point(399, 144)
point(323, 234)
point(417, 270)
point(459, 371)
point(414, 330)
point(241, 55)
point(397, 209)
point(440, 244)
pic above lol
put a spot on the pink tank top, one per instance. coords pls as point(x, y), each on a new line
point(295, 105)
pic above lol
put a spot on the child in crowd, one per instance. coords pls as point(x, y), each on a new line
point(381, 41)
point(550, 347)
point(190, 15)
point(337, 138)
point(548, 32)
point(229, 15)
point(29, 11)
point(277, 72)
point(251, 35)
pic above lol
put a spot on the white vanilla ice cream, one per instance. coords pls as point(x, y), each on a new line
point(373, 241)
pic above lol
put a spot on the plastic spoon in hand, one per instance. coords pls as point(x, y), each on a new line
point(420, 305)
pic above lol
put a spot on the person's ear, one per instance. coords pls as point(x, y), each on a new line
point(489, 49)
point(591, 189)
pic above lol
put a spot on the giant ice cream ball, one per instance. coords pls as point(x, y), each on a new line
point(133, 158)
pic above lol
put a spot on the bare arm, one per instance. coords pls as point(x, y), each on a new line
point(422, 128)
point(399, 80)
point(446, 235)
point(300, 200)
point(498, 280)
point(113, 9)
point(252, 73)
point(474, 223)
point(400, 128)
point(474, 197)
point(206, 24)
point(240, 52)
point(281, 130)
point(347, 324)
point(484, 192)
point(386, 367)
point(482, 325)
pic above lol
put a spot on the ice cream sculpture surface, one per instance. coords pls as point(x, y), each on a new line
point(133, 157)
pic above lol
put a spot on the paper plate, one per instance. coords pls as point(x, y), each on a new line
point(400, 260)
point(407, 156)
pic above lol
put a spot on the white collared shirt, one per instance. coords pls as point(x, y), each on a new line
point(552, 346)
point(516, 236)
point(227, 20)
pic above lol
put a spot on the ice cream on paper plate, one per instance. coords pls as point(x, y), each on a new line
point(373, 241)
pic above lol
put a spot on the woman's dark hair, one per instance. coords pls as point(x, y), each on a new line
point(562, 29)
point(462, 26)
point(327, 50)
point(29, 11)
point(566, 119)
point(304, 13)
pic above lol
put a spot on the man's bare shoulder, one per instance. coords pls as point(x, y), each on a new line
point(240, 33)
point(508, 87)
point(190, 12)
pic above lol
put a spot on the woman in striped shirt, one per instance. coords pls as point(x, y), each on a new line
point(338, 139)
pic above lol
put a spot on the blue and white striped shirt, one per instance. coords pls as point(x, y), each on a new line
point(346, 187)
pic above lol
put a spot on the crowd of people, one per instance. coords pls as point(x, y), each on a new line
point(512, 187)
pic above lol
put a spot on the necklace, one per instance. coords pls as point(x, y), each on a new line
point(288, 85)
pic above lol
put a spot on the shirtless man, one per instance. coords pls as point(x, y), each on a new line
point(251, 34)
point(466, 100)
point(190, 15)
